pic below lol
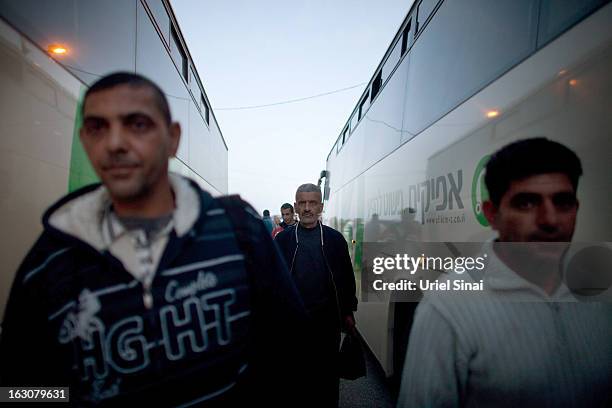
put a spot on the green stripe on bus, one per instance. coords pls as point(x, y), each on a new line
point(81, 171)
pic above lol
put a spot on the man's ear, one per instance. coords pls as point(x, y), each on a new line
point(175, 138)
point(490, 212)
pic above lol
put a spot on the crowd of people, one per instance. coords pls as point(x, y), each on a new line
point(144, 288)
point(276, 224)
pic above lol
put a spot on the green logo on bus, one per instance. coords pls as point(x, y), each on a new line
point(479, 191)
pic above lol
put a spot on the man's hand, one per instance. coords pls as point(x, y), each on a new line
point(349, 324)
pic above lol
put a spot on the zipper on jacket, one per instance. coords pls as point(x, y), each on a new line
point(293, 260)
point(147, 296)
point(145, 256)
point(297, 244)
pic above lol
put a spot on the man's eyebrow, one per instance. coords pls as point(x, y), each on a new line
point(565, 195)
point(134, 115)
point(525, 195)
point(93, 117)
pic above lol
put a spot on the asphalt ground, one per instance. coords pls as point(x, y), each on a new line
point(371, 391)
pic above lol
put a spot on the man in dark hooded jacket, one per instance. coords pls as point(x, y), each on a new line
point(143, 289)
point(321, 268)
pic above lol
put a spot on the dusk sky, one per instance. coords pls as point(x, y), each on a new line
point(254, 53)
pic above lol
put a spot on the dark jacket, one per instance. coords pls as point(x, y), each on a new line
point(336, 255)
point(221, 330)
point(285, 225)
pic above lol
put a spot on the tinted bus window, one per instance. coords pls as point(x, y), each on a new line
point(391, 61)
point(94, 48)
point(463, 48)
point(205, 110)
point(193, 85)
point(354, 121)
point(363, 106)
point(425, 9)
point(178, 55)
point(557, 15)
point(376, 85)
point(406, 37)
point(161, 18)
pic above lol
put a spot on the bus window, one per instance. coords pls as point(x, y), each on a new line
point(406, 37)
point(161, 18)
point(424, 11)
point(354, 121)
point(178, 55)
point(376, 85)
point(193, 85)
point(391, 62)
point(363, 106)
point(556, 16)
point(345, 135)
point(205, 109)
point(451, 59)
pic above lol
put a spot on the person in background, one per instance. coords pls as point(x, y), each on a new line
point(268, 221)
point(321, 267)
point(288, 214)
point(277, 227)
point(137, 291)
point(526, 341)
point(288, 219)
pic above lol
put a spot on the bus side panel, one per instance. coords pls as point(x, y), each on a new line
point(37, 112)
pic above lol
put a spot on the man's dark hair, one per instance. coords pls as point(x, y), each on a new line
point(287, 206)
point(134, 80)
point(529, 157)
point(266, 213)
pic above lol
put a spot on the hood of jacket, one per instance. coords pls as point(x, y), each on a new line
point(80, 213)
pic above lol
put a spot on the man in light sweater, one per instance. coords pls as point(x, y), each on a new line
point(526, 341)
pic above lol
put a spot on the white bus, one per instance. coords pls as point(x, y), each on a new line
point(49, 52)
point(459, 80)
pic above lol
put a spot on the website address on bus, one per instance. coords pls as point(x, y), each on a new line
point(441, 219)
